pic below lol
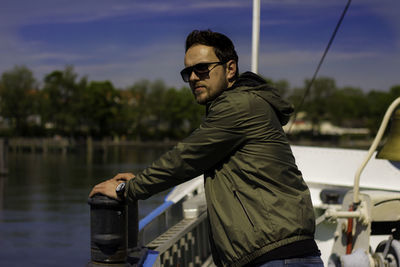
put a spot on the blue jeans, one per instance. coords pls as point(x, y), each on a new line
point(312, 261)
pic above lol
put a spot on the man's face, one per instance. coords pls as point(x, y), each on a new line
point(210, 85)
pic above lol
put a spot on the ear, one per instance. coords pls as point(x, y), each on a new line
point(231, 68)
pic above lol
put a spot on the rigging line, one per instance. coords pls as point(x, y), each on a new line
point(320, 63)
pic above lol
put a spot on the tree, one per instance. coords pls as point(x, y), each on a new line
point(140, 110)
point(102, 107)
point(181, 112)
point(316, 102)
point(378, 102)
point(63, 101)
point(158, 112)
point(18, 91)
point(347, 107)
point(395, 91)
point(191, 110)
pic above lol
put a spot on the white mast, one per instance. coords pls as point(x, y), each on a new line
point(255, 36)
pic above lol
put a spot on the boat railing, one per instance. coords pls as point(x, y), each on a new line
point(160, 220)
point(186, 243)
point(170, 212)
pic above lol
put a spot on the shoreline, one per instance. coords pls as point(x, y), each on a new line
point(22, 144)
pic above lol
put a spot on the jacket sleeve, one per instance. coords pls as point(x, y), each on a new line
point(215, 139)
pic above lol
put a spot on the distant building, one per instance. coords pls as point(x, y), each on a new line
point(325, 128)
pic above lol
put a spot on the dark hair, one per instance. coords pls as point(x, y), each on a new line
point(223, 46)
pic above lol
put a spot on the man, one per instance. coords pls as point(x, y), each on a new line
point(258, 205)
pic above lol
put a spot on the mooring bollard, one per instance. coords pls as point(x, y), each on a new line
point(108, 231)
point(113, 232)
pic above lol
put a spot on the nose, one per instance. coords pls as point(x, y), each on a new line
point(193, 76)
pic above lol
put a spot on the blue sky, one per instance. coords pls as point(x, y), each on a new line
point(125, 41)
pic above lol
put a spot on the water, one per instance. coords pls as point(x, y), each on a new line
point(44, 215)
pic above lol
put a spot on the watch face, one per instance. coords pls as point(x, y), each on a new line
point(120, 187)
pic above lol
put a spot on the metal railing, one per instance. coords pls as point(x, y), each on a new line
point(184, 244)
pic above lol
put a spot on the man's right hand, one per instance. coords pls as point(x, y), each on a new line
point(124, 177)
point(108, 187)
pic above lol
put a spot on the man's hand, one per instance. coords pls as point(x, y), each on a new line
point(108, 187)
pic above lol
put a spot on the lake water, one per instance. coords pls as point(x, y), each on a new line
point(44, 215)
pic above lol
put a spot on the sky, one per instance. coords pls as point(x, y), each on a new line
point(125, 41)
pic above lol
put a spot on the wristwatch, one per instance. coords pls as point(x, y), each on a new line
point(120, 190)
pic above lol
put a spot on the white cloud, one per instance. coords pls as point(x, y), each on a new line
point(124, 65)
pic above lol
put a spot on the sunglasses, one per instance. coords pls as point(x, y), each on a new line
point(200, 69)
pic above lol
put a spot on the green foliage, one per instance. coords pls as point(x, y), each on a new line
point(69, 105)
point(101, 109)
point(61, 101)
point(347, 107)
point(318, 99)
point(161, 113)
point(377, 102)
point(394, 91)
point(18, 93)
point(181, 113)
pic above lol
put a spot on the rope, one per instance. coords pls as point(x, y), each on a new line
point(320, 63)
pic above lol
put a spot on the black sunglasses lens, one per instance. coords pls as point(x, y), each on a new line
point(186, 73)
point(201, 67)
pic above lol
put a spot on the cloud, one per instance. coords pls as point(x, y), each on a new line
point(292, 56)
point(366, 70)
point(66, 11)
point(219, 4)
point(302, 57)
point(134, 64)
point(59, 57)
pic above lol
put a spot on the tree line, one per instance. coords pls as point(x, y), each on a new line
point(72, 106)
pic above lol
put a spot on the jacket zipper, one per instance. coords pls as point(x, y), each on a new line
point(244, 209)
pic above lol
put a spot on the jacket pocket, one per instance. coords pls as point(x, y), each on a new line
point(236, 194)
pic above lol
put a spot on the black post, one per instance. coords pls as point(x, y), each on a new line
point(133, 224)
point(108, 234)
point(3, 157)
point(136, 254)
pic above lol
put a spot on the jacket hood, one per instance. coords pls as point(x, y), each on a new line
point(252, 82)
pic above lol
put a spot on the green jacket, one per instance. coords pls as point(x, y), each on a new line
point(256, 197)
